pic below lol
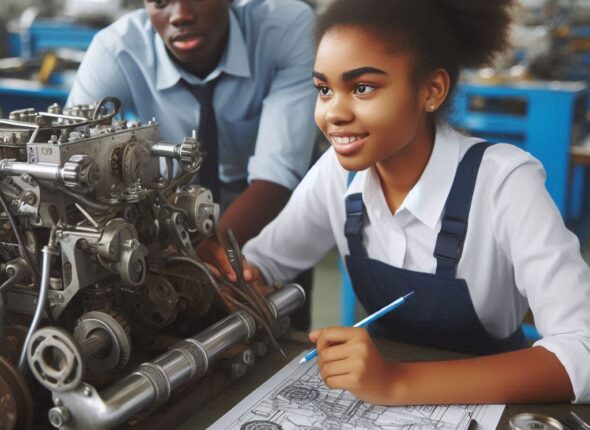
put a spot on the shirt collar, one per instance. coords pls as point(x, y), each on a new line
point(234, 60)
point(427, 199)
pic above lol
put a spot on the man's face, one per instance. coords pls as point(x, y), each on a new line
point(194, 31)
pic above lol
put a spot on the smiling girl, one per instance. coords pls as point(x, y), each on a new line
point(413, 205)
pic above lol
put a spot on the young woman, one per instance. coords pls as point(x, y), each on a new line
point(467, 226)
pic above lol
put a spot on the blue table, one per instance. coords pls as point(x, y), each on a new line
point(20, 93)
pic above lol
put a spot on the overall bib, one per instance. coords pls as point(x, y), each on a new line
point(440, 314)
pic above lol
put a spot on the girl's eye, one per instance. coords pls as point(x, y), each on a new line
point(323, 90)
point(363, 89)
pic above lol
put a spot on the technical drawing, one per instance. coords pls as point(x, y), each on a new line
point(297, 399)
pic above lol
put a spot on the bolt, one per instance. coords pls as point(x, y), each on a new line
point(68, 267)
point(259, 348)
point(29, 198)
point(59, 416)
point(87, 391)
point(61, 298)
point(57, 401)
point(10, 272)
point(248, 357)
point(238, 370)
point(138, 267)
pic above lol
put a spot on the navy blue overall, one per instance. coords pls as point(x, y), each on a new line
point(441, 313)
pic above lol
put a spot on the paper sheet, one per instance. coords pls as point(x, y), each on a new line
point(296, 398)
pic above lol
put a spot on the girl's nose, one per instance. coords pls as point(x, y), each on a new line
point(339, 111)
point(182, 13)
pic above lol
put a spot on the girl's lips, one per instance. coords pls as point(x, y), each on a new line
point(187, 43)
point(344, 147)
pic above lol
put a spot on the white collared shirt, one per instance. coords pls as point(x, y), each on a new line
point(517, 253)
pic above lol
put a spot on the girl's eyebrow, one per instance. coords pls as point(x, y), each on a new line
point(351, 74)
point(355, 73)
point(319, 76)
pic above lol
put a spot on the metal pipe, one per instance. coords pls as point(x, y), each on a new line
point(39, 171)
point(47, 250)
point(285, 300)
point(151, 384)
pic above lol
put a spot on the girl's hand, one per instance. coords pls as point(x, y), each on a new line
point(213, 254)
point(349, 360)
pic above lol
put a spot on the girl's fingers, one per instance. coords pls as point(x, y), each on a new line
point(335, 368)
point(339, 382)
point(335, 335)
point(336, 352)
point(314, 335)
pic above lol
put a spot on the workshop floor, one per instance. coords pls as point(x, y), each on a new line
point(325, 305)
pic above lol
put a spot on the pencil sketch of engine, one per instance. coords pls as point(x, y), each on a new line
point(304, 402)
point(98, 270)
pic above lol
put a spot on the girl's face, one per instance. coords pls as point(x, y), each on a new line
point(367, 107)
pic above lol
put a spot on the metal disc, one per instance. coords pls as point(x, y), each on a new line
point(529, 421)
point(16, 404)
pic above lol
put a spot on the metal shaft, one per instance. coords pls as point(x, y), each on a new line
point(94, 343)
point(151, 384)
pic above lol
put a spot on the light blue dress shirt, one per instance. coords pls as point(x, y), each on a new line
point(263, 101)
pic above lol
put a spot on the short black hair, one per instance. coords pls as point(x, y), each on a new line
point(447, 34)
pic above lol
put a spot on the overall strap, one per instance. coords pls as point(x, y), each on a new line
point(355, 210)
point(449, 244)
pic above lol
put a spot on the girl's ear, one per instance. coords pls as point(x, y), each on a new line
point(436, 88)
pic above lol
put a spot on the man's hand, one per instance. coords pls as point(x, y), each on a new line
point(215, 255)
point(349, 360)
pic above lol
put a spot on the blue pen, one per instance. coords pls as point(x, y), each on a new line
point(365, 322)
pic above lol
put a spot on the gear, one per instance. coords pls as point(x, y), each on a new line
point(80, 173)
point(116, 355)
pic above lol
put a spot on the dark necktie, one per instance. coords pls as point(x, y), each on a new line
point(207, 135)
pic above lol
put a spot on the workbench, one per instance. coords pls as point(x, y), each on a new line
point(266, 366)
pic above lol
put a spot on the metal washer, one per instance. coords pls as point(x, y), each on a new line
point(530, 421)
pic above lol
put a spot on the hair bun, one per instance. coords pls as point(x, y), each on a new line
point(480, 27)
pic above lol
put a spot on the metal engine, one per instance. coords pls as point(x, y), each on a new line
point(99, 277)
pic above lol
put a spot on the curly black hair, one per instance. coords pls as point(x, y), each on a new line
point(447, 34)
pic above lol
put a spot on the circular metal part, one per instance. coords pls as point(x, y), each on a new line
point(120, 251)
point(189, 155)
point(54, 359)
point(16, 405)
point(155, 302)
point(80, 173)
point(135, 159)
point(117, 352)
point(59, 416)
point(530, 421)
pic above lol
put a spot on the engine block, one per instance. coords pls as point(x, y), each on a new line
point(97, 266)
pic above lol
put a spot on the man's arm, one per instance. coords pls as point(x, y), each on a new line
point(286, 133)
point(257, 206)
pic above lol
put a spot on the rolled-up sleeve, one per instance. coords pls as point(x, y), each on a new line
point(548, 269)
point(286, 134)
